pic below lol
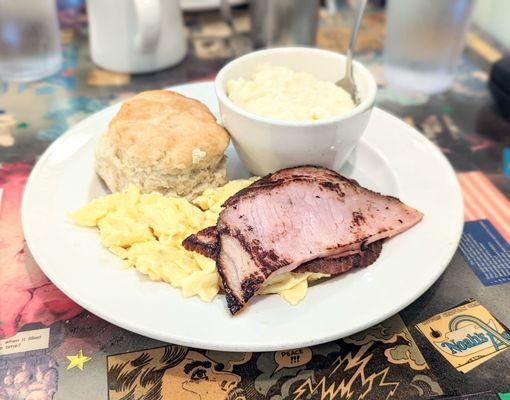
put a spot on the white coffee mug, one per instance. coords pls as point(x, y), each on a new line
point(136, 36)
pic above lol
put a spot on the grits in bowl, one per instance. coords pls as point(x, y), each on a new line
point(282, 93)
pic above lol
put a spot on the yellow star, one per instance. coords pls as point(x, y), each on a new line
point(78, 360)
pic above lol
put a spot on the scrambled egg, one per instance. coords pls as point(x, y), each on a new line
point(146, 231)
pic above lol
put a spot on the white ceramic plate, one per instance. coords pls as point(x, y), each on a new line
point(205, 5)
point(392, 158)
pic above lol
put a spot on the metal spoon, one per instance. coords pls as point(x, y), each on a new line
point(226, 14)
point(233, 39)
point(347, 82)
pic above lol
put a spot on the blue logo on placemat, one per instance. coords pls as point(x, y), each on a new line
point(506, 161)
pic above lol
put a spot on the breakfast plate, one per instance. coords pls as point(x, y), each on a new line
point(391, 158)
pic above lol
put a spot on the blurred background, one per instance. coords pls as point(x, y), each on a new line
point(435, 62)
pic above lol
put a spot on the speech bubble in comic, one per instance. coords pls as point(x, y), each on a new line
point(292, 358)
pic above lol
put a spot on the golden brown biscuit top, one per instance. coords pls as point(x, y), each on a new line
point(164, 127)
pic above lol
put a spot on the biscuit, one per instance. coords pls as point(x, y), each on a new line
point(163, 141)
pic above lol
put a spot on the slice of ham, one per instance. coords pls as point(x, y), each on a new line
point(342, 264)
point(206, 242)
point(294, 216)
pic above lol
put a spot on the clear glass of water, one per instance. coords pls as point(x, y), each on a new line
point(29, 40)
point(424, 40)
point(276, 23)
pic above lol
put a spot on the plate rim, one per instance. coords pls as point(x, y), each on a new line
point(204, 344)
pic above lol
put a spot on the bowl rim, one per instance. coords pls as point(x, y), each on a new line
point(365, 105)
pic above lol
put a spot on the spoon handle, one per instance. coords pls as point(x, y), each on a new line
point(357, 23)
point(354, 35)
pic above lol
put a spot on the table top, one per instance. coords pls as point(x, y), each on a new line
point(72, 354)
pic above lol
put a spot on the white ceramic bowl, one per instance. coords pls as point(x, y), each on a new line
point(266, 144)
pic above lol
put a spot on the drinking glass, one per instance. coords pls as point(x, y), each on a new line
point(277, 23)
point(424, 40)
point(29, 39)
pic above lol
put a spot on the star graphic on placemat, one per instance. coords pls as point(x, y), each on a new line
point(78, 360)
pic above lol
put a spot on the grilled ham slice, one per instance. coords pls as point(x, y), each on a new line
point(294, 216)
point(206, 242)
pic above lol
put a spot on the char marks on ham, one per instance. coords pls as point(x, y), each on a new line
point(206, 242)
point(298, 219)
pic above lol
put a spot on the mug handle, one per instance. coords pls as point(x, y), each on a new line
point(148, 19)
